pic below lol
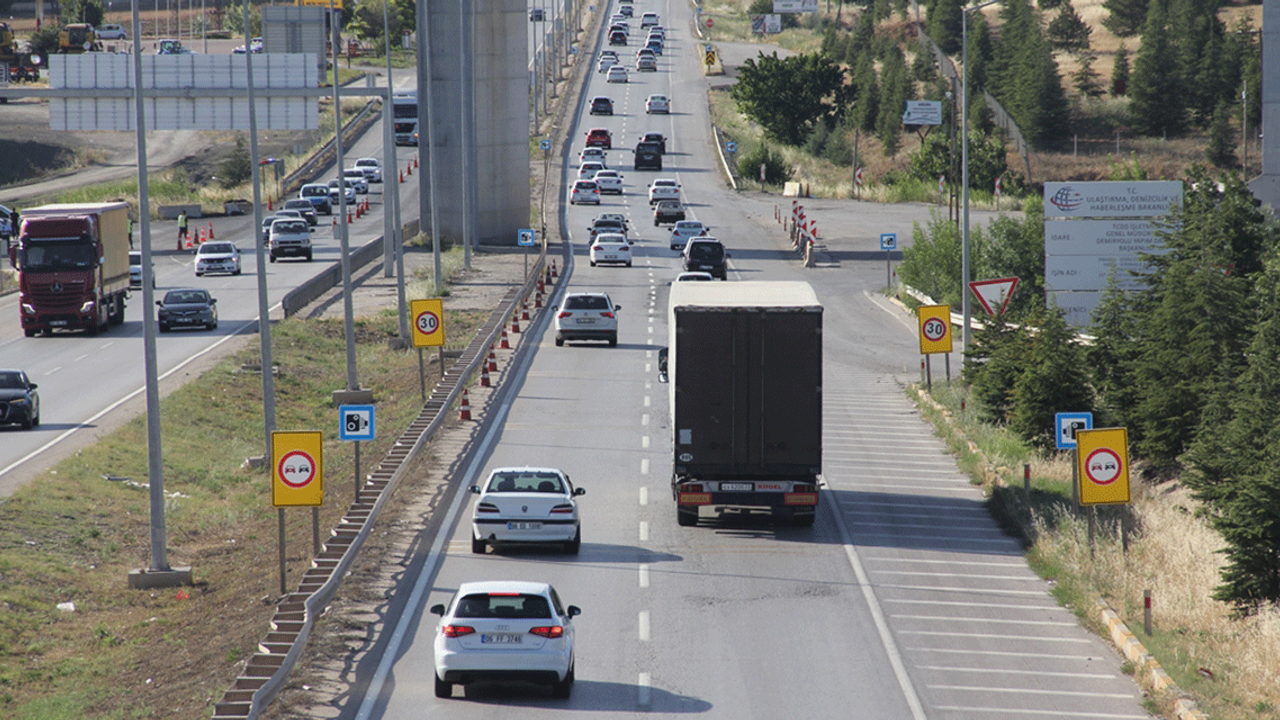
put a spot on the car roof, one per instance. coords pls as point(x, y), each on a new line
point(523, 587)
point(368, 161)
point(611, 237)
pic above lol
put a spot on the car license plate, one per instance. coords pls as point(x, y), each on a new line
point(524, 526)
point(586, 321)
point(501, 638)
point(730, 487)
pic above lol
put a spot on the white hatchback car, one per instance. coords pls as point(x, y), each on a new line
point(616, 74)
point(219, 256)
point(112, 32)
point(588, 169)
point(504, 630)
point(593, 153)
point(657, 104)
point(609, 181)
point(610, 248)
point(587, 316)
point(371, 168)
point(663, 189)
point(526, 505)
point(585, 191)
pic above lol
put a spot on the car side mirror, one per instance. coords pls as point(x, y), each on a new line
point(662, 364)
point(616, 308)
point(437, 610)
point(159, 302)
point(579, 491)
point(213, 301)
point(475, 489)
point(574, 611)
point(32, 386)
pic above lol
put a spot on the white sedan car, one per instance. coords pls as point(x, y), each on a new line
point(593, 153)
point(610, 248)
point(219, 256)
point(505, 630)
point(356, 177)
point(616, 74)
point(663, 189)
point(371, 167)
point(609, 181)
point(657, 104)
point(685, 229)
point(526, 505)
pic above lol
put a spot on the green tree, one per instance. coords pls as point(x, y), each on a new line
point(932, 263)
point(895, 89)
point(788, 97)
point(1120, 73)
point(1053, 380)
point(1014, 247)
point(237, 168)
point(367, 21)
point(1156, 89)
point(1040, 104)
point(1085, 78)
point(943, 24)
point(1250, 527)
point(1113, 355)
point(234, 20)
point(866, 108)
point(1068, 31)
point(765, 7)
point(993, 364)
point(1220, 150)
point(776, 171)
point(1125, 17)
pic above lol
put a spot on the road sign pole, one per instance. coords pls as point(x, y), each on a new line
point(888, 267)
point(315, 531)
point(946, 359)
point(357, 472)
point(422, 376)
point(928, 372)
point(280, 542)
point(1075, 481)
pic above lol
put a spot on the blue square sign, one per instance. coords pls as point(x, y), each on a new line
point(355, 422)
point(888, 241)
point(525, 237)
point(1066, 425)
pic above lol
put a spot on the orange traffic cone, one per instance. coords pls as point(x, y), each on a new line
point(268, 202)
point(349, 220)
point(464, 409)
point(537, 297)
point(408, 170)
point(554, 274)
point(415, 161)
point(493, 361)
point(504, 345)
point(524, 311)
point(515, 323)
point(484, 376)
point(210, 230)
point(402, 176)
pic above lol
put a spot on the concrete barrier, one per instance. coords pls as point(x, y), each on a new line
point(171, 212)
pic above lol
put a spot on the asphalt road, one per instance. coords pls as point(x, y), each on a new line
point(903, 601)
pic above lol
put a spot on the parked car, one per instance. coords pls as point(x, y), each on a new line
point(504, 630)
point(587, 316)
point(585, 191)
point(667, 212)
point(608, 181)
point(255, 46)
point(357, 179)
point(706, 254)
point(218, 256)
point(601, 105)
point(685, 229)
point(616, 74)
point(19, 401)
point(304, 208)
point(599, 137)
point(135, 270)
point(187, 307)
point(318, 195)
point(657, 104)
point(663, 189)
point(610, 248)
point(526, 505)
point(371, 167)
point(111, 31)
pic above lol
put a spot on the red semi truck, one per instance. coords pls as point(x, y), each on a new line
point(73, 267)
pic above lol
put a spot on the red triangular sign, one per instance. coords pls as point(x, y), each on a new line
point(994, 294)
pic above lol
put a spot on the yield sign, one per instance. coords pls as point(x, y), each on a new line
point(994, 294)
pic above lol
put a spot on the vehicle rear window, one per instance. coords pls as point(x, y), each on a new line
point(526, 482)
point(587, 302)
point(514, 605)
point(706, 251)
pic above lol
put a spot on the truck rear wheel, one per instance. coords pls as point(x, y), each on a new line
point(686, 518)
point(805, 519)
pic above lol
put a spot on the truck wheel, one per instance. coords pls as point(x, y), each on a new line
point(477, 545)
point(686, 518)
point(29, 332)
point(806, 519)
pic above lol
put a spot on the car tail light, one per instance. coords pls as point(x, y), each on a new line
point(564, 314)
point(562, 509)
point(486, 508)
point(624, 248)
point(606, 314)
point(548, 631)
point(454, 631)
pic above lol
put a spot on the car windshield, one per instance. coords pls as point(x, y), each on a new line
point(289, 226)
point(298, 205)
point(502, 605)
point(314, 190)
point(587, 302)
point(545, 482)
point(185, 297)
point(217, 249)
point(11, 381)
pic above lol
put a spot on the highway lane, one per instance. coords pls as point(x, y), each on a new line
point(87, 383)
point(903, 601)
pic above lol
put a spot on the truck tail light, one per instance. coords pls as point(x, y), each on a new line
point(550, 632)
point(454, 631)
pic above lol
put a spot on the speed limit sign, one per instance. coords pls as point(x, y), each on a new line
point(428, 322)
point(935, 329)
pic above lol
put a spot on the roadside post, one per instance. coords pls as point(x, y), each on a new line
point(356, 423)
point(297, 480)
point(888, 243)
point(545, 145)
point(935, 337)
point(428, 331)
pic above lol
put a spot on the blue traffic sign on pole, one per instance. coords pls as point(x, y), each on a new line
point(888, 241)
point(731, 146)
point(525, 237)
point(355, 422)
point(1067, 424)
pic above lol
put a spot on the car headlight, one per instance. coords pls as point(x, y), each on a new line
point(20, 402)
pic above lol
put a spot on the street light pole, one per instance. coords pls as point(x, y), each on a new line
point(964, 178)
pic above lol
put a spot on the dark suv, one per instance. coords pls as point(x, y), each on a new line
point(648, 156)
point(601, 105)
point(656, 138)
point(706, 254)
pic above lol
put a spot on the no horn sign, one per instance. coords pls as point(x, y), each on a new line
point(1102, 464)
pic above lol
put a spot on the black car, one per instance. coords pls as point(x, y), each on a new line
point(667, 211)
point(617, 37)
point(648, 156)
point(706, 254)
point(187, 307)
point(657, 138)
point(601, 105)
point(19, 401)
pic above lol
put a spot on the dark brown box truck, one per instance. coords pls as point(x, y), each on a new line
point(745, 369)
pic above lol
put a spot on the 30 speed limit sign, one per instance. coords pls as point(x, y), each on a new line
point(935, 329)
point(428, 322)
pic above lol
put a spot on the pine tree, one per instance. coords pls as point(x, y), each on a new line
point(895, 89)
point(1085, 78)
point(992, 367)
point(1250, 526)
point(1040, 103)
point(1113, 355)
point(1068, 31)
point(1125, 16)
point(943, 24)
point(1053, 380)
point(866, 109)
point(1220, 149)
point(1120, 73)
point(1156, 89)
